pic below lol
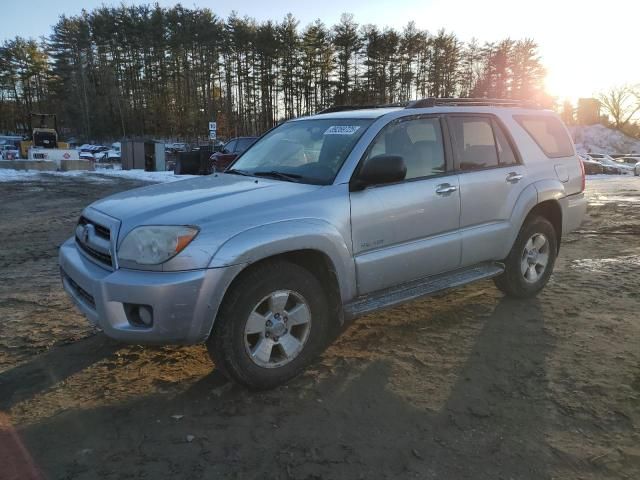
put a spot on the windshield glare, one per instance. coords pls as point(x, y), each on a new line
point(311, 151)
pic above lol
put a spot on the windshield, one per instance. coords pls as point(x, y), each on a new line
point(306, 151)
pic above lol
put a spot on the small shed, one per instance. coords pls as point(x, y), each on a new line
point(132, 154)
point(143, 154)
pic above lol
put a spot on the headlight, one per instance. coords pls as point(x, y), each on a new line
point(153, 245)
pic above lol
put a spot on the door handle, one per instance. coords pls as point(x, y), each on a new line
point(445, 189)
point(514, 177)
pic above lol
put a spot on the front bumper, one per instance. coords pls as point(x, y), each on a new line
point(184, 304)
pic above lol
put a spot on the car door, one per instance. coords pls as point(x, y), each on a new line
point(492, 178)
point(407, 230)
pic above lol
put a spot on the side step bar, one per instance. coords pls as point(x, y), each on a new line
point(422, 287)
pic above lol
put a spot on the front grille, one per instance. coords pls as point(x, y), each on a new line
point(88, 244)
point(101, 231)
point(79, 291)
point(102, 257)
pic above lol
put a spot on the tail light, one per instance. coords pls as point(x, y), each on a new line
point(584, 177)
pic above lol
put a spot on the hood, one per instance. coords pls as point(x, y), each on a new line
point(223, 206)
point(194, 201)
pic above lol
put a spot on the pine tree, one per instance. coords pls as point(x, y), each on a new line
point(150, 71)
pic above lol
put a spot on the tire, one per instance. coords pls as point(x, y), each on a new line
point(257, 296)
point(518, 282)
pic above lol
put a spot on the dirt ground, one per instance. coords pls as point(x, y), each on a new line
point(467, 384)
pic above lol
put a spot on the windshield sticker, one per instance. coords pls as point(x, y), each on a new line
point(342, 130)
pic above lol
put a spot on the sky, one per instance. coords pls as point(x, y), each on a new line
point(587, 46)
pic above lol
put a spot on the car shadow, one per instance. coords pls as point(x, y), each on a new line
point(347, 425)
point(51, 367)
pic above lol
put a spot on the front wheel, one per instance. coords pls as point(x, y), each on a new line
point(271, 325)
point(531, 260)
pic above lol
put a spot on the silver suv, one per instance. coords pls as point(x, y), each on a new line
point(326, 218)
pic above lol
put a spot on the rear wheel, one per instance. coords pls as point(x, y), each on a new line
point(272, 324)
point(531, 260)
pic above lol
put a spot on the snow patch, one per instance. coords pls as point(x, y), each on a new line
point(600, 139)
point(621, 190)
point(99, 175)
point(142, 175)
point(7, 175)
point(602, 265)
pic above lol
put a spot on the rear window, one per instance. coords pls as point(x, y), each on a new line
point(548, 133)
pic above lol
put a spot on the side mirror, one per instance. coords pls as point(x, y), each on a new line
point(380, 170)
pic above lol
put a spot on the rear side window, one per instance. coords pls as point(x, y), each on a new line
point(506, 156)
point(474, 145)
point(243, 144)
point(231, 146)
point(548, 133)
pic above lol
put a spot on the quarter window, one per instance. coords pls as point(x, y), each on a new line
point(549, 133)
point(474, 145)
point(418, 141)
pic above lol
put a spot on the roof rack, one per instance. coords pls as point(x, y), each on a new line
point(470, 102)
point(344, 108)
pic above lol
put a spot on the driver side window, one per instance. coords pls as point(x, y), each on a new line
point(417, 141)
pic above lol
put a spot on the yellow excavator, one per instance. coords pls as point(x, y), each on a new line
point(44, 134)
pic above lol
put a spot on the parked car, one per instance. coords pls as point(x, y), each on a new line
point(93, 149)
point(627, 160)
point(631, 159)
point(324, 219)
point(591, 167)
point(9, 152)
point(176, 147)
point(108, 156)
point(87, 156)
point(611, 165)
point(234, 147)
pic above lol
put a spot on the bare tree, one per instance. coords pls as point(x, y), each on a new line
point(621, 103)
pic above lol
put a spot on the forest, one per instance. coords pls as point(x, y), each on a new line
point(154, 72)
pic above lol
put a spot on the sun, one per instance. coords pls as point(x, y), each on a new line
point(567, 84)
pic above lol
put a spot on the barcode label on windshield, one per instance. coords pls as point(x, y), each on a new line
point(342, 130)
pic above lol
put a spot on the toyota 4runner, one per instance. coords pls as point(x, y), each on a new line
point(326, 218)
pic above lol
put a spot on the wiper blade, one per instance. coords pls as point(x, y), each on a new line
point(233, 171)
point(290, 177)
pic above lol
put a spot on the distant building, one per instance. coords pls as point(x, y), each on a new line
point(588, 111)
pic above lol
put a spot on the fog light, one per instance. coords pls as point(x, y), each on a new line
point(139, 315)
point(146, 315)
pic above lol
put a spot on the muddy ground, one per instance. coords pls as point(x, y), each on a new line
point(468, 384)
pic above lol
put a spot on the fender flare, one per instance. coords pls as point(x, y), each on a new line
point(276, 238)
point(550, 190)
point(532, 195)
